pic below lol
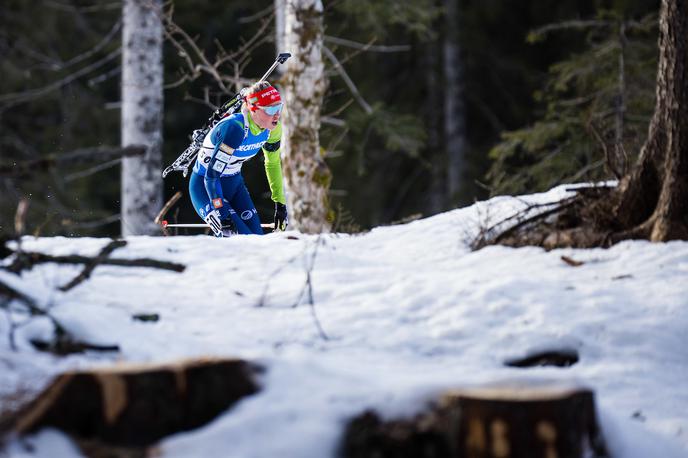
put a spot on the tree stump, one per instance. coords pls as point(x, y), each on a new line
point(532, 421)
point(499, 421)
point(136, 405)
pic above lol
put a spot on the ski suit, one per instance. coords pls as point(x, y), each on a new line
point(216, 181)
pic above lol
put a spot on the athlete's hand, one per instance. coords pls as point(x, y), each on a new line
point(281, 219)
point(213, 220)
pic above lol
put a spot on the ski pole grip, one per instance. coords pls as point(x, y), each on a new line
point(282, 58)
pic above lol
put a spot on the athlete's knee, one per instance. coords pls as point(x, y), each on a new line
point(246, 215)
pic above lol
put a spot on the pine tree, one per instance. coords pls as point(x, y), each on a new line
point(596, 103)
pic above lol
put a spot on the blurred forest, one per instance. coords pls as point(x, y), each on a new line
point(552, 92)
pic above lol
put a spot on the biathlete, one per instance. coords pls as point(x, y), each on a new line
point(217, 189)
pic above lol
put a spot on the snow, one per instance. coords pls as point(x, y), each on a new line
point(407, 312)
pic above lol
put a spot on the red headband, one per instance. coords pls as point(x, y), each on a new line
point(263, 98)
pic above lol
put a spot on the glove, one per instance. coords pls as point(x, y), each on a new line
point(281, 220)
point(213, 220)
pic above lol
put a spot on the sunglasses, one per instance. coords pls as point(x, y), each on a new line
point(272, 110)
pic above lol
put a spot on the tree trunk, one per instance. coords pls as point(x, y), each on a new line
point(654, 197)
point(280, 10)
point(142, 104)
point(454, 111)
point(437, 193)
point(307, 177)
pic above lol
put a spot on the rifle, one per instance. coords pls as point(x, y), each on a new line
point(233, 105)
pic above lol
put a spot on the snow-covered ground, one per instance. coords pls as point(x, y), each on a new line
point(407, 312)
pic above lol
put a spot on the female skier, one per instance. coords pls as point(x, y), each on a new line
point(217, 189)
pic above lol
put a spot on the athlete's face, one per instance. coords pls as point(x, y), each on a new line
point(264, 119)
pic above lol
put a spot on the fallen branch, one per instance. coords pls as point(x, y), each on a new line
point(26, 261)
point(484, 237)
point(63, 337)
point(564, 204)
point(88, 269)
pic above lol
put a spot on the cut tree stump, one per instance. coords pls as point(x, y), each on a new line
point(136, 405)
point(533, 421)
point(508, 420)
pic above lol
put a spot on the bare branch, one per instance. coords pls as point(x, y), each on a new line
point(226, 67)
point(92, 224)
point(330, 150)
point(161, 215)
point(568, 25)
point(92, 170)
point(366, 47)
point(350, 84)
point(20, 216)
point(83, 9)
point(341, 109)
point(16, 98)
point(260, 14)
point(97, 48)
point(333, 121)
point(104, 76)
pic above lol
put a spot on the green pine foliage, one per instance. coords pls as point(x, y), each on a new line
point(377, 18)
point(590, 102)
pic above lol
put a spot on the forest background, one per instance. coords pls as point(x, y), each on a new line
point(545, 91)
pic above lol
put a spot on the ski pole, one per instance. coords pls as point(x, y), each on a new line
point(165, 224)
point(282, 58)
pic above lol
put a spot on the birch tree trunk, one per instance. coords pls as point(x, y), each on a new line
point(454, 111)
point(307, 177)
point(142, 104)
point(280, 10)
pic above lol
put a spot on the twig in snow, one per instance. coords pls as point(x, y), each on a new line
point(308, 287)
point(263, 297)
